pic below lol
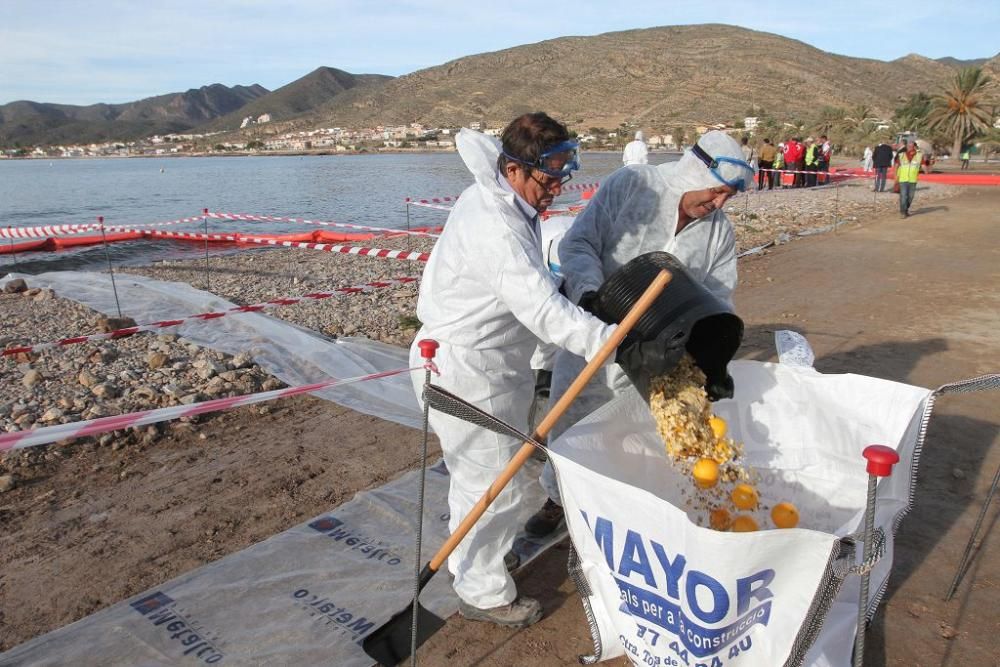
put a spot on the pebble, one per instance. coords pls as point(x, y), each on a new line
point(31, 378)
point(7, 483)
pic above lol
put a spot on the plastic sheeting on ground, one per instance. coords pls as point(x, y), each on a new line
point(667, 591)
point(292, 354)
point(307, 596)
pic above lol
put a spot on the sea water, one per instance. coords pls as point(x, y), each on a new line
point(357, 189)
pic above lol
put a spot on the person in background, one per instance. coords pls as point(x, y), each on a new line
point(675, 207)
point(882, 158)
point(794, 151)
point(907, 170)
point(810, 162)
point(825, 153)
point(487, 298)
point(866, 160)
point(965, 154)
point(636, 152)
point(779, 164)
point(749, 154)
point(766, 173)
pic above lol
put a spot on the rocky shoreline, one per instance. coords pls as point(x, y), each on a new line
point(143, 371)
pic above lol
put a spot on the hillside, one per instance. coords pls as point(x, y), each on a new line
point(655, 77)
point(303, 95)
point(42, 123)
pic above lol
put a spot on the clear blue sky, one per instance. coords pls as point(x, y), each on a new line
point(77, 52)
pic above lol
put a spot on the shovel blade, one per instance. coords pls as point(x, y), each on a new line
point(390, 644)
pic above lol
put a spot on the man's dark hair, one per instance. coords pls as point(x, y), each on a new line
point(767, 140)
point(527, 137)
point(822, 136)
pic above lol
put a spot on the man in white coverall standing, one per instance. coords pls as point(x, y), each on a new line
point(636, 151)
point(674, 207)
point(488, 299)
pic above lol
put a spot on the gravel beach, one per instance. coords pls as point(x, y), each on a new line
point(91, 522)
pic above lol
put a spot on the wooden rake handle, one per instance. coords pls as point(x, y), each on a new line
point(523, 454)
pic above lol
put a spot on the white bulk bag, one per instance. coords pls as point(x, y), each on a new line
point(665, 591)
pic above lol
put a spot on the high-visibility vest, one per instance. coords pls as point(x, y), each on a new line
point(811, 155)
point(965, 155)
point(908, 170)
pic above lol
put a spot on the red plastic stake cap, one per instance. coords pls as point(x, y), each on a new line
point(427, 348)
point(880, 460)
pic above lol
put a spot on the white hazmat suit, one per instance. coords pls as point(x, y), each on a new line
point(636, 151)
point(487, 298)
point(635, 211)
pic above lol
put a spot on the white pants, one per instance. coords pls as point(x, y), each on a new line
point(500, 382)
point(609, 381)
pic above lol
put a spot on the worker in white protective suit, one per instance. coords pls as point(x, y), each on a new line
point(636, 151)
point(488, 299)
point(674, 207)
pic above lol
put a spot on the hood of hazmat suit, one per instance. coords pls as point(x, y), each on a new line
point(487, 297)
point(635, 211)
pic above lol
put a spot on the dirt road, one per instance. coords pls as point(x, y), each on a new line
point(914, 300)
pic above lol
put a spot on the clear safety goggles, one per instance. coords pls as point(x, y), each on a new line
point(727, 170)
point(559, 161)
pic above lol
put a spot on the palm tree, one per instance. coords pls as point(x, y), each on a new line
point(963, 109)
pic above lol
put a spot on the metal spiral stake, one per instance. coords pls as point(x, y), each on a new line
point(107, 255)
point(967, 556)
point(428, 348)
point(880, 461)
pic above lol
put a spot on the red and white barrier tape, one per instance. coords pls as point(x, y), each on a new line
point(184, 235)
point(839, 174)
point(49, 434)
point(46, 231)
point(439, 207)
point(345, 249)
point(577, 187)
point(325, 223)
point(180, 221)
point(254, 308)
point(432, 200)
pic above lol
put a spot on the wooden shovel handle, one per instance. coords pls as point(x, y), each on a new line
point(523, 454)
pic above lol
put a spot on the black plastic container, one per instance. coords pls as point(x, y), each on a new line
point(686, 310)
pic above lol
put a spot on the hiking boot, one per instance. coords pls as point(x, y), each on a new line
point(545, 521)
point(511, 560)
point(520, 613)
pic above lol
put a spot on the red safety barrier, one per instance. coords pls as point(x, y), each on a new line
point(945, 178)
point(318, 236)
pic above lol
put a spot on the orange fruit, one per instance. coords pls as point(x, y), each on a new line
point(720, 519)
point(744, 524)
point(785, 515)
point(719, 426)
point(706, 473)
point(744, 496)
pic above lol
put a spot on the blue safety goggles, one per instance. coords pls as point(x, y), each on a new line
point(727, 170)
point(559, 161)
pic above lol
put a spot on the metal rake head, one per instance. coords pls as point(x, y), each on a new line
point(444, 401)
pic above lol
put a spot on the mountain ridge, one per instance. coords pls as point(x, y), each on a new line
point(659, 77)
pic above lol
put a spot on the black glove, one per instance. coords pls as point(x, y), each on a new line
point(719, 386)
point(588, 301)
point(644, 360)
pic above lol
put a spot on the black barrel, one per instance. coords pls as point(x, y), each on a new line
point(685, 309)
